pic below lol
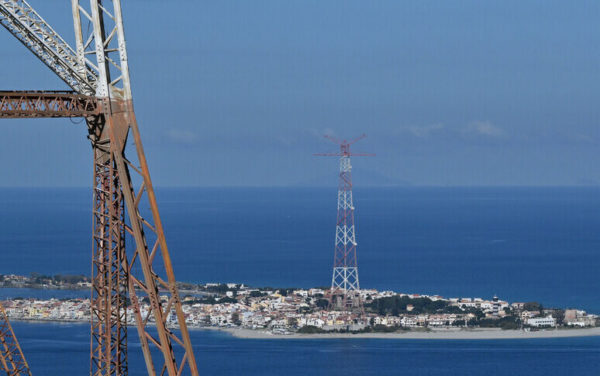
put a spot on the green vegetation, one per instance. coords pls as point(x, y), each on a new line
point(533, 306)
point(287, 291)
point(41, 279)
point(384, 328)
point(70, 279)
point(235, 318)
point(187, 286)
point(256, 294)
point(309, 329)
point(58, 279)
point(507, 322)
point(322, 303)
point(477, 312)
point(559, 315)
point(396, 305)
point(209, 300)
point(219, 289)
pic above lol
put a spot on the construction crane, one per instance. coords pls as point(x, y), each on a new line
point(96, 71)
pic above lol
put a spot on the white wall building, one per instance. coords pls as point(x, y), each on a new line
point(541, 321)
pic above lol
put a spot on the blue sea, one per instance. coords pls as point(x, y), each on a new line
point(63, 349)
point(522, 244)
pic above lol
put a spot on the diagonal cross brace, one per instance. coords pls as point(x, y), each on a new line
point(22, 21)
point(47, 104)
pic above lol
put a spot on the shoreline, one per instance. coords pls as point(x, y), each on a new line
point(436, 334)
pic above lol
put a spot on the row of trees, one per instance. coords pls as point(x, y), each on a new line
point(68, 279)
point(396, 305)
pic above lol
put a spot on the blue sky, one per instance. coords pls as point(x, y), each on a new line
point(239, 93)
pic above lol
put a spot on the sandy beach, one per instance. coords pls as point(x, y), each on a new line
point(442, 334)
point(448, 334)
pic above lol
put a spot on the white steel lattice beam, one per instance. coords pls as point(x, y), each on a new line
point(22, 21)
point(102, 48)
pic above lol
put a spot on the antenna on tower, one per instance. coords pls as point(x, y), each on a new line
point(345, 288)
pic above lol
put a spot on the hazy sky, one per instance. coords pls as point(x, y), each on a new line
point(240, 92)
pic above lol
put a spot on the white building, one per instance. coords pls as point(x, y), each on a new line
point(541, 321)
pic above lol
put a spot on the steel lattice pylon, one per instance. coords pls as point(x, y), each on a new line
point(97, 72)
point(345, 287)
point(12, 360)
point(109, 279)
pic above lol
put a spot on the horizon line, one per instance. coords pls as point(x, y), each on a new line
point(326, 186)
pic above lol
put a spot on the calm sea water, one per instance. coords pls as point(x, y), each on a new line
point(520, 243)
point(62, 349)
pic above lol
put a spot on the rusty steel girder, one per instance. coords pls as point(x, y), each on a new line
point(12, 360)
point(47, 104)
point(117, 275)
point(108, 350)
point(149, 268)
point(97, 69)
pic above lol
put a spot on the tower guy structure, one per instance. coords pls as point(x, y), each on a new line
point(96, 70)
point(345, 288)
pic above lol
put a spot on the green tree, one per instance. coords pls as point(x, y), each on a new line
point(309, 329)
point(397, 304)
point(559, 315)
point(533, 306)
point(235, 318)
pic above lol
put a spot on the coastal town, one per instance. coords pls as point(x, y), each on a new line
point(285, 311)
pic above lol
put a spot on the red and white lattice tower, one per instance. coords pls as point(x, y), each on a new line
point(345, 288)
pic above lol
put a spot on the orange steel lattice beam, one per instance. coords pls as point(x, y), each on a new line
point(108, 347)
point(47, 104)
point(12, 360)
point(114, 190)
point(97, 68)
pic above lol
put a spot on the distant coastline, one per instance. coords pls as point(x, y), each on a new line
point(435, 334)
point(267, 312)
point(414, 334)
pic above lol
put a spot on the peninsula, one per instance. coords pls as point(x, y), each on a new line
point(249, 312)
